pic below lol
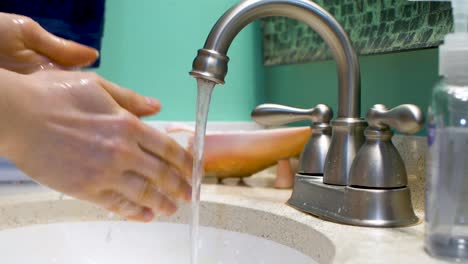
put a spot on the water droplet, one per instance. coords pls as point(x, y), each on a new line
point(109, 234)
point(109, 229)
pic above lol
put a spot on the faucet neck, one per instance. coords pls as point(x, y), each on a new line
point(212, 61)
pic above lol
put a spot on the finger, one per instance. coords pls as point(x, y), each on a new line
point(167, 179)
point(156, 143)
point(64, 52)
point(117, 203)
point(141, 191)
point(131, 101)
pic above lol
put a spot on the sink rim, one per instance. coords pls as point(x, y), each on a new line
point(50, 209)
point(350, 244)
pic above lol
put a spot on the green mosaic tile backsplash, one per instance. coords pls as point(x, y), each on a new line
point(374, 26)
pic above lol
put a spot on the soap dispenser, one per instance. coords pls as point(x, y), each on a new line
point(447, 163)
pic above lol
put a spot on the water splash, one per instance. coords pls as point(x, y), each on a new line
point(108, 238)
point(205, 88)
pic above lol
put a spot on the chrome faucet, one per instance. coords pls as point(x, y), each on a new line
point(347, 137)
point(329, 196)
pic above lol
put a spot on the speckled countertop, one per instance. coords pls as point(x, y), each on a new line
point(254, 208)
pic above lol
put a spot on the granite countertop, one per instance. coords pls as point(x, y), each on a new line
point(252, 207)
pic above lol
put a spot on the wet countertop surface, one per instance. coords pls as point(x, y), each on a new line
point(251, 207)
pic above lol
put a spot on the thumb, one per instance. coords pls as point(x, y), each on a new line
point(64, 52)
point(134, 103)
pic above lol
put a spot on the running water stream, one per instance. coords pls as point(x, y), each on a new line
point(203, 103)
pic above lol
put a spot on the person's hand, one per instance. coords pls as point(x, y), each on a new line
point(73, 132)
point(26, 47)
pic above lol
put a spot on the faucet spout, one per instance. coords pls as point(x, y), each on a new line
point(211, 62)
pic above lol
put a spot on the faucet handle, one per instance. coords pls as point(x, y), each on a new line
point(313, 156)
point(406, 118)
point(378, 163)
point(277, 115)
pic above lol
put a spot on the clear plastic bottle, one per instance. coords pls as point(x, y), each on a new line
point(447, 192)
point(447, 163)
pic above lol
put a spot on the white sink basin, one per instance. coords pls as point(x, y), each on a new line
point(134, 243)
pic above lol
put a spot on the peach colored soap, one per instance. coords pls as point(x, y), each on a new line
point(241, 154)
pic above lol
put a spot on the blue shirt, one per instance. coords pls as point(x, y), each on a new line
point(78, 20)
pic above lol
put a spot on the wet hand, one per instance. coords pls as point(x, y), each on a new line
point(27, 47)
point(74, 132)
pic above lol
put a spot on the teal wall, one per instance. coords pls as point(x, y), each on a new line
point(390, 79)
point(149, 46)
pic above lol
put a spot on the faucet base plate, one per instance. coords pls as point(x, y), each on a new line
point(353, 206)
